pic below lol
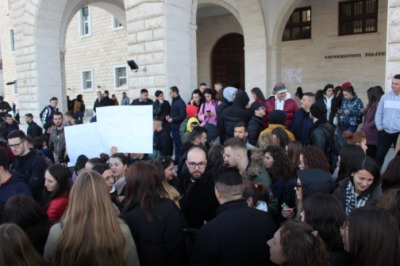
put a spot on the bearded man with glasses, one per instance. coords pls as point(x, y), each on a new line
point(198, 202)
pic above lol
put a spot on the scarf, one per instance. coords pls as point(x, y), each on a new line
point(351, 200)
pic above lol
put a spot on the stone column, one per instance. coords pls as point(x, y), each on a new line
point(393, 42)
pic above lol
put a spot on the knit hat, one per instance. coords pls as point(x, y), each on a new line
point(318, 110)
point(280, 88)
point(277, 117)
point(191, 110)
point(346, 85)
point(255, 105)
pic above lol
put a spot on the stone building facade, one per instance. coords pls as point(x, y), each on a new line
point(173, 42)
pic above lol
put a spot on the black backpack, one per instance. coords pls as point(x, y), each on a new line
point(336, 147)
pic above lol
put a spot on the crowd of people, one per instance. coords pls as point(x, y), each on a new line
point(280, 181)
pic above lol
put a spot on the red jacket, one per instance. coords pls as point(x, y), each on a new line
point(57, 207)
point(290, 108)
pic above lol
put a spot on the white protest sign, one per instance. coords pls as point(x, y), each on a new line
point(129, 128)
point(83, 139)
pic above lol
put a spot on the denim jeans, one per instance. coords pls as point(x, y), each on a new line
point(177, 143)
point(79, 115)
point(385, 141)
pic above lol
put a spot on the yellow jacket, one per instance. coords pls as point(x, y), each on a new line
point(271, 127)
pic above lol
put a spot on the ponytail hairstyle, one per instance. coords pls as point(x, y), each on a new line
point(354, 138)
point(256, 192)
point(302, 246)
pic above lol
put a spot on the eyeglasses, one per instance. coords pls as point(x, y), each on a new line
point(298, 185)
point(14, 145)
point(201, 165)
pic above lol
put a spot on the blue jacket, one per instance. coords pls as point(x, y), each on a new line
point(355, 107)
point(301, 125)
point(178, 112)
point(14, 186)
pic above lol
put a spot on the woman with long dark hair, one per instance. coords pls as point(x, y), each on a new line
point(293, 150)
point(313, 157)
point(208, 109)
point(90, 233)
point(297, 243)
point(215, 157)
point(390, 201)
point(280, 170)
point(79, 108)
point(369, 128)
point(351, 110)
point(58, 184)
point(362, 187)
point(166, 170)
point(118, 164)
point(371, 237)
point(23, 211)
point(391, 177)
point(155, 221)
point(281, 137)
point(348, 154)
point(325, 214)
point(15, 248)
point(258, 96)
point(336, 103)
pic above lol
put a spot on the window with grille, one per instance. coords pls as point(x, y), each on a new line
point(116, 24)
point(358, 17)
point(87, 80)
point(120, 77)
point(85, 27)
point(12, 43)
point(298, 26)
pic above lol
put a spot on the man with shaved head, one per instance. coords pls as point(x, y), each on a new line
point(198, 202)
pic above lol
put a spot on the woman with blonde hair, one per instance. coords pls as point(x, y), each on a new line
point(266, 140)
point(16, 249)
point(90, 233)
point(163, 164)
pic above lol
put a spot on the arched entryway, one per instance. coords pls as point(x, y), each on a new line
point(228, 61)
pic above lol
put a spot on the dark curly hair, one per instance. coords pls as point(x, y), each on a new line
point(315, 158)
point(282, 167)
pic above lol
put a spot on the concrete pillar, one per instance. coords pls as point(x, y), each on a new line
point(393, 42)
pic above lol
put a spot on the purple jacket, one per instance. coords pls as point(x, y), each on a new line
point(369, 128)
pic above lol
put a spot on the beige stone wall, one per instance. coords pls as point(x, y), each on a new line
point(101, 51)
point(304, 63)
point(9, 68)
point(393, 57)
point(209, 31)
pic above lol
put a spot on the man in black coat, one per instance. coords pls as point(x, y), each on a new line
point(322, 132)
point(106, 101)
point(144, 98)
point(302, 122)
point(198, 202)
point(238, 235)
point(9, 126)
point(234, 114)
point(97, 102)
point(176, 117)
point(28, 163)
point(162, 140)
point(4, 107)
point(161, 108)
point(33, 129)
point(256, 124)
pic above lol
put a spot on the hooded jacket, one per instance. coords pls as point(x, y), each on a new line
point(186, 135)
point(233, 115)
point(271, 128)
point(314, 181)
point(227, 102)
point(290, 108)
point(15, 185)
